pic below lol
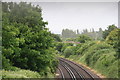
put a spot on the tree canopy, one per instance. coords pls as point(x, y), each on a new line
point(108, 30)
point(27, 43)
point(112, 38)
point(83, 38)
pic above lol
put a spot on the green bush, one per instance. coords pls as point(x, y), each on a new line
point(112, 38)
point(108, 30)
point(83, 48)
point(69, 51)
point(59, 46)
point(6, 63)
point(108, 65)
point(65, 45)
point(83, 38)
point(21, 73)
point(97, 55)
point(92, 51)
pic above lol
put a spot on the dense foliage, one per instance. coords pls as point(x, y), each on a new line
point(81, 49)
point(56, 37)
point(27, 43)
point(112, 38)
point(98, 55)
point(108, 30)
point(102, 55)
point(59, 46)
point(83, 38)
point(20, 73)
point(70, 50)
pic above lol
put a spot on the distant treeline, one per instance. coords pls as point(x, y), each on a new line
point(95, 35)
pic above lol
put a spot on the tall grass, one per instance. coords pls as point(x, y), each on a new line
point(20, 73)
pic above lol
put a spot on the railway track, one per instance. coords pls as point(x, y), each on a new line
point(69, 70)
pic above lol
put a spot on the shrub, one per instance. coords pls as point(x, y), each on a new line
point(83, 38)
point(108, 65)
point(21, 73)
point(59, 46)
point(97, 55)
point(101, 56)
point(112, 38)
point(69, 51)
point(65, 45)
point(84, 48)
point(93, 49)
point(5, 63)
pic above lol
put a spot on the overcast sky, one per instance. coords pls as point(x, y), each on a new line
point(79, 15)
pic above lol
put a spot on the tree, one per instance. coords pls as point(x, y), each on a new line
point(85, 31)
point(66, 33)
point(59, 46)
point(70, 39)
point(78, 31)
point(108, 30)
point(69, 51)
point(100, 34)
point(83, 38)
point(56, 37)
point(91, 34)
point(27, 43)
point(112, 38)
point(93, 30)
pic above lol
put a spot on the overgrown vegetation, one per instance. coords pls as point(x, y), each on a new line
point(83, 39)
point(27, 43)
point(20, 73)
point(28, 49)
point(99, 55)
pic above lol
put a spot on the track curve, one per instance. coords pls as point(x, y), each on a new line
point(69, 70)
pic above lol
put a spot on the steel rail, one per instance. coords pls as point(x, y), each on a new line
point(69, 71)
point(63, 77)
point(81, 68)
point(81, 76)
